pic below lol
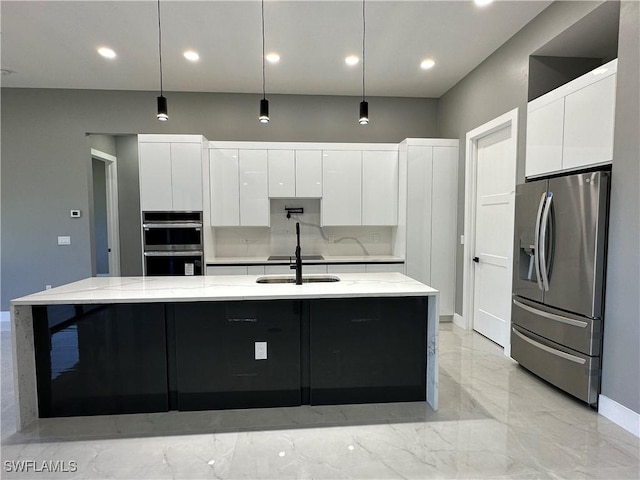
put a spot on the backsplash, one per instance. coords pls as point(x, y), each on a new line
point(280, 239)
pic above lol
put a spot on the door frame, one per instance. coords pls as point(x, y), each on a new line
point(113, 229)
point(507, 120)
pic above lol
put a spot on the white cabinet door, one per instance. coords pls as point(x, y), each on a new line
point(544, 138)
point(589, 122)
point(308, 173)
point(225, 192)
point(155, 176)
point(282, 173)
point(419, 185)
point(227, 270)
point(384, 267)
point(379, 188)
point(346, 268)
point(186, 176)
point(254, 196)
point(342, 187)
point(444, 205)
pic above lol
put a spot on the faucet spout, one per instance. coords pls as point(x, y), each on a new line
point(298, 264)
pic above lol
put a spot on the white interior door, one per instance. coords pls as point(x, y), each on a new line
point(493, 246)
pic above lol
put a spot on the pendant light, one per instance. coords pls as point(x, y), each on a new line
point(364, 105)
point(264, 103)
point(163, 114)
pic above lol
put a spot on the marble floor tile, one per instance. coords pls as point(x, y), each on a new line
point(496, 420)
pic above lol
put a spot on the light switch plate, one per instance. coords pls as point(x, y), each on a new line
point(64, 240)
point(261, 350)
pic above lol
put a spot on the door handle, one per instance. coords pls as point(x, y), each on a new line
point(536, 244)
point(476, 259)
point(544, 265)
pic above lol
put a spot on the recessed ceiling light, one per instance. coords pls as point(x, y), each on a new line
point(106, 52)
point(351, 60)
point(427, 64)
point(272, 57)
point(482, 3)
point(191, 56)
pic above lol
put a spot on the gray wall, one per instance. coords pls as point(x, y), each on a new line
point(496, 86)
point(129, 206)
point(46, 162)
point(621, 356)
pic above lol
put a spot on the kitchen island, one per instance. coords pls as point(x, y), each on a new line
point(193, 343)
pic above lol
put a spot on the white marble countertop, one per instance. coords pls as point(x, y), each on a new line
point(326, 259)
point(219, 288)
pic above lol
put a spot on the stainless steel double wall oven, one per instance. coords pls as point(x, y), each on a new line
point(172, 243)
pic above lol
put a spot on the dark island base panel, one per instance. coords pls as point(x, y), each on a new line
point(140, 358)
point(95, 359)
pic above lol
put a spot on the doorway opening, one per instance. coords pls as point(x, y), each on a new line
point(106, 248)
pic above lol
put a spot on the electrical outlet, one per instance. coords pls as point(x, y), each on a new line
point(47, 287)
point(332, 238)
point(376, 238)
point(64, 240)
point(243, 239)
point(261, 350)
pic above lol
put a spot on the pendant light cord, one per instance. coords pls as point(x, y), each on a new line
point(364, 32)
point(263, 59)
point(160, 46)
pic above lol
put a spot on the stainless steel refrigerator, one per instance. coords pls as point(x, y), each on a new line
point(558, 280)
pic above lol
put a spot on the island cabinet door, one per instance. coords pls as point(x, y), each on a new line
point(237, 354)
point(100, 359)
point(368, 350)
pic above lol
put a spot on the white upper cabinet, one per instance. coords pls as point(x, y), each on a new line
point(544, 138)
point(170, 172)
point(589, 120)
point(282, 173)
point(254, 190)
point(571, 127)
point(186, 176)
point(308, 173)
point(155, 176)
point(295, 173)
point(224, 187)
point(341, 187)
point(379, 188)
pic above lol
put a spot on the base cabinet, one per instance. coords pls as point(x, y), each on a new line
point(139, 358)
point(100, 359)
point(218, 357)
point(367, 350)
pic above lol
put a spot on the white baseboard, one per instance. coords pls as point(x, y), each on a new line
point(619, 414)
point(459, 321)
point(5, 321)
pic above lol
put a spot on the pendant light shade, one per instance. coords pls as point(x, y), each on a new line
point(264, 103)
point(264, 111)
point(364, 113)
point(163, 114)
point(364, 105)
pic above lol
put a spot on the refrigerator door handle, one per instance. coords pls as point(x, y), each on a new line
point(536, 244)
point(544, 265)
point(551, 316)
point(553, 351)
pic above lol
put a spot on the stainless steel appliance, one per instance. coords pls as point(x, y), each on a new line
point(558, 280)
point(172, 243)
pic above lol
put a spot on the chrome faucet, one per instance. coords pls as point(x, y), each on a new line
point(298, 264)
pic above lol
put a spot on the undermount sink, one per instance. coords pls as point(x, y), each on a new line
point(305, 279)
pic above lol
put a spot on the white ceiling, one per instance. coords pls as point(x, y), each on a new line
point(52, 44)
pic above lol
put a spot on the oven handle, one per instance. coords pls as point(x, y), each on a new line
point(183, 253)
point(173, 225)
